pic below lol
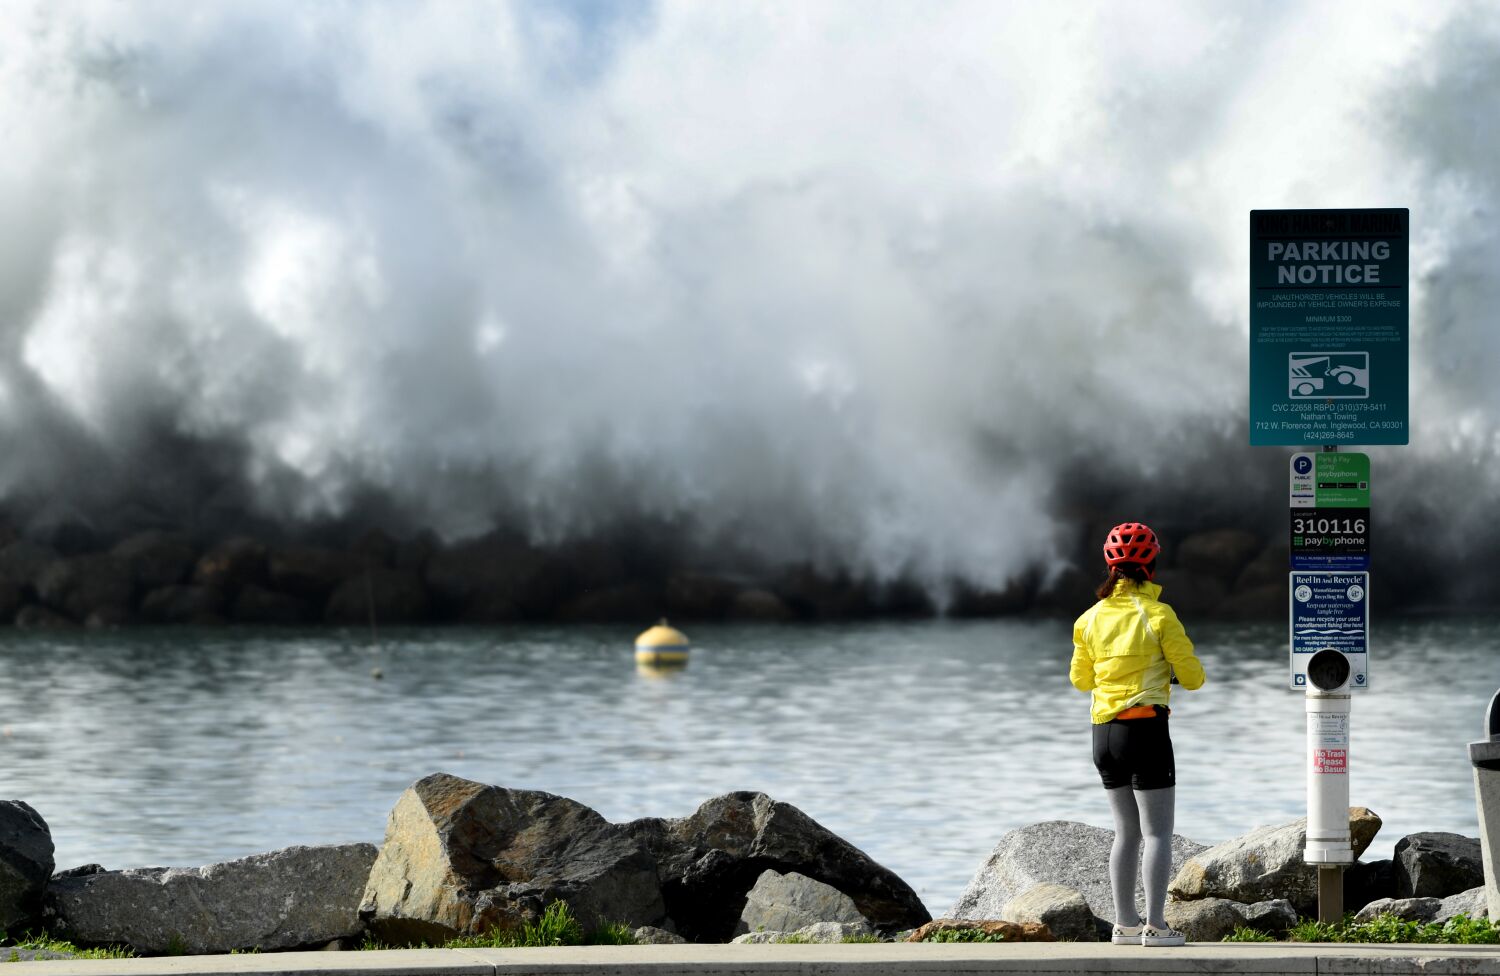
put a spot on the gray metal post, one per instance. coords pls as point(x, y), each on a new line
point(1485, 757)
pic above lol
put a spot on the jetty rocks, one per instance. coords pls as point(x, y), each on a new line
point(1057, 873)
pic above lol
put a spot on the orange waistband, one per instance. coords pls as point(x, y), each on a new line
point(1139, 711)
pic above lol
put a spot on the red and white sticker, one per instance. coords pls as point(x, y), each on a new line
point(1334, 761)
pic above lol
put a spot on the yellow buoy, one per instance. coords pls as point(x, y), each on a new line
point(662, 645)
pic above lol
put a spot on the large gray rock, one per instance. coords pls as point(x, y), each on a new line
point(462, 858)
point(1471, 903)
point(1058, 851)
point(786, 902)
point(286, 899)
point(1410, 909)
point(709, 861)
point(651, 935)
point(1437, 864)
point(1062, 909)
point(824, 932)
point(497, 577)
point(1274, 916)
point(1263, 864)
point(1204, 920)
point(1367, 881)
point(25, 863)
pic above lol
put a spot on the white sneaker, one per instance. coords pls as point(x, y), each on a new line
point(1125, 935)
point(1151, 936)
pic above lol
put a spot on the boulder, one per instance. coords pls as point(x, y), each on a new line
point(11, 600)
point(786, 902)
point(1367, 881)
point(1220, 553)
point(375, 548)
point(1058, 851)
point(708, 862)
point(1437, 864)
point(396, 596)
point(651, 935)
point(1410, 909)
point(1471, 903)
point(25, 863)
point(156, 559)
point(1263, 864)
point(287, 899)
point(1063, 910)
point(254, 604)
point(1273, 917)
point(832, 931)
point(232, 563)
point(818, 596)
point(822, 932)
point(1008, 931)
point(311, 572)
point(84, 585)
point(41, 618)
point(462, 858)
point(1204, 920)
point(760, 606)
point(182, 603)
point(22, 562)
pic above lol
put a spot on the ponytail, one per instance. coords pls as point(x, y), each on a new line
point(1139, 572)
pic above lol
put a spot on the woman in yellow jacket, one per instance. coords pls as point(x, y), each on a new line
point(1128, 649)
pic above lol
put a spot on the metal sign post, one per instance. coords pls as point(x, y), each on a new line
point(1329, 318)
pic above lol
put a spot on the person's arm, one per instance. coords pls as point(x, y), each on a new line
point(1081, 671)
point(1177, 649)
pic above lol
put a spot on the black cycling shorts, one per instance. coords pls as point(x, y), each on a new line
point(1135, 752)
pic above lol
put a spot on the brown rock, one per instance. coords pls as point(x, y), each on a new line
point(462, 858)
point(1364, 824)
point(1010, 931)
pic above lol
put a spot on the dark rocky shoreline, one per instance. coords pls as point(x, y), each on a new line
point(374, 579)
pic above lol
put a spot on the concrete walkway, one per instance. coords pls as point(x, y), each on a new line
point(858, 959)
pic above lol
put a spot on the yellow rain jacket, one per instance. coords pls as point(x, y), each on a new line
point(1126, 648)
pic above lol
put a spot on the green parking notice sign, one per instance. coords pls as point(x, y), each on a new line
point(1329, 314)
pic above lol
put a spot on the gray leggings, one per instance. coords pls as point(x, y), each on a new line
point(1137, 812)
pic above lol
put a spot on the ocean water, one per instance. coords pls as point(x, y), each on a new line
point(921, 743)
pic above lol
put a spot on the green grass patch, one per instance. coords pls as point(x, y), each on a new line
point(964, 935)
point(1459, 930)
point(1244, 933)
point(867, 937)
point(43, 942)
point(556, 927)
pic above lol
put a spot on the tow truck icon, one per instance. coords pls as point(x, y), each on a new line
point(1328, 375)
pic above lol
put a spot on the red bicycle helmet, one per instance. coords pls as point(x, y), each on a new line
point(1131, 542)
